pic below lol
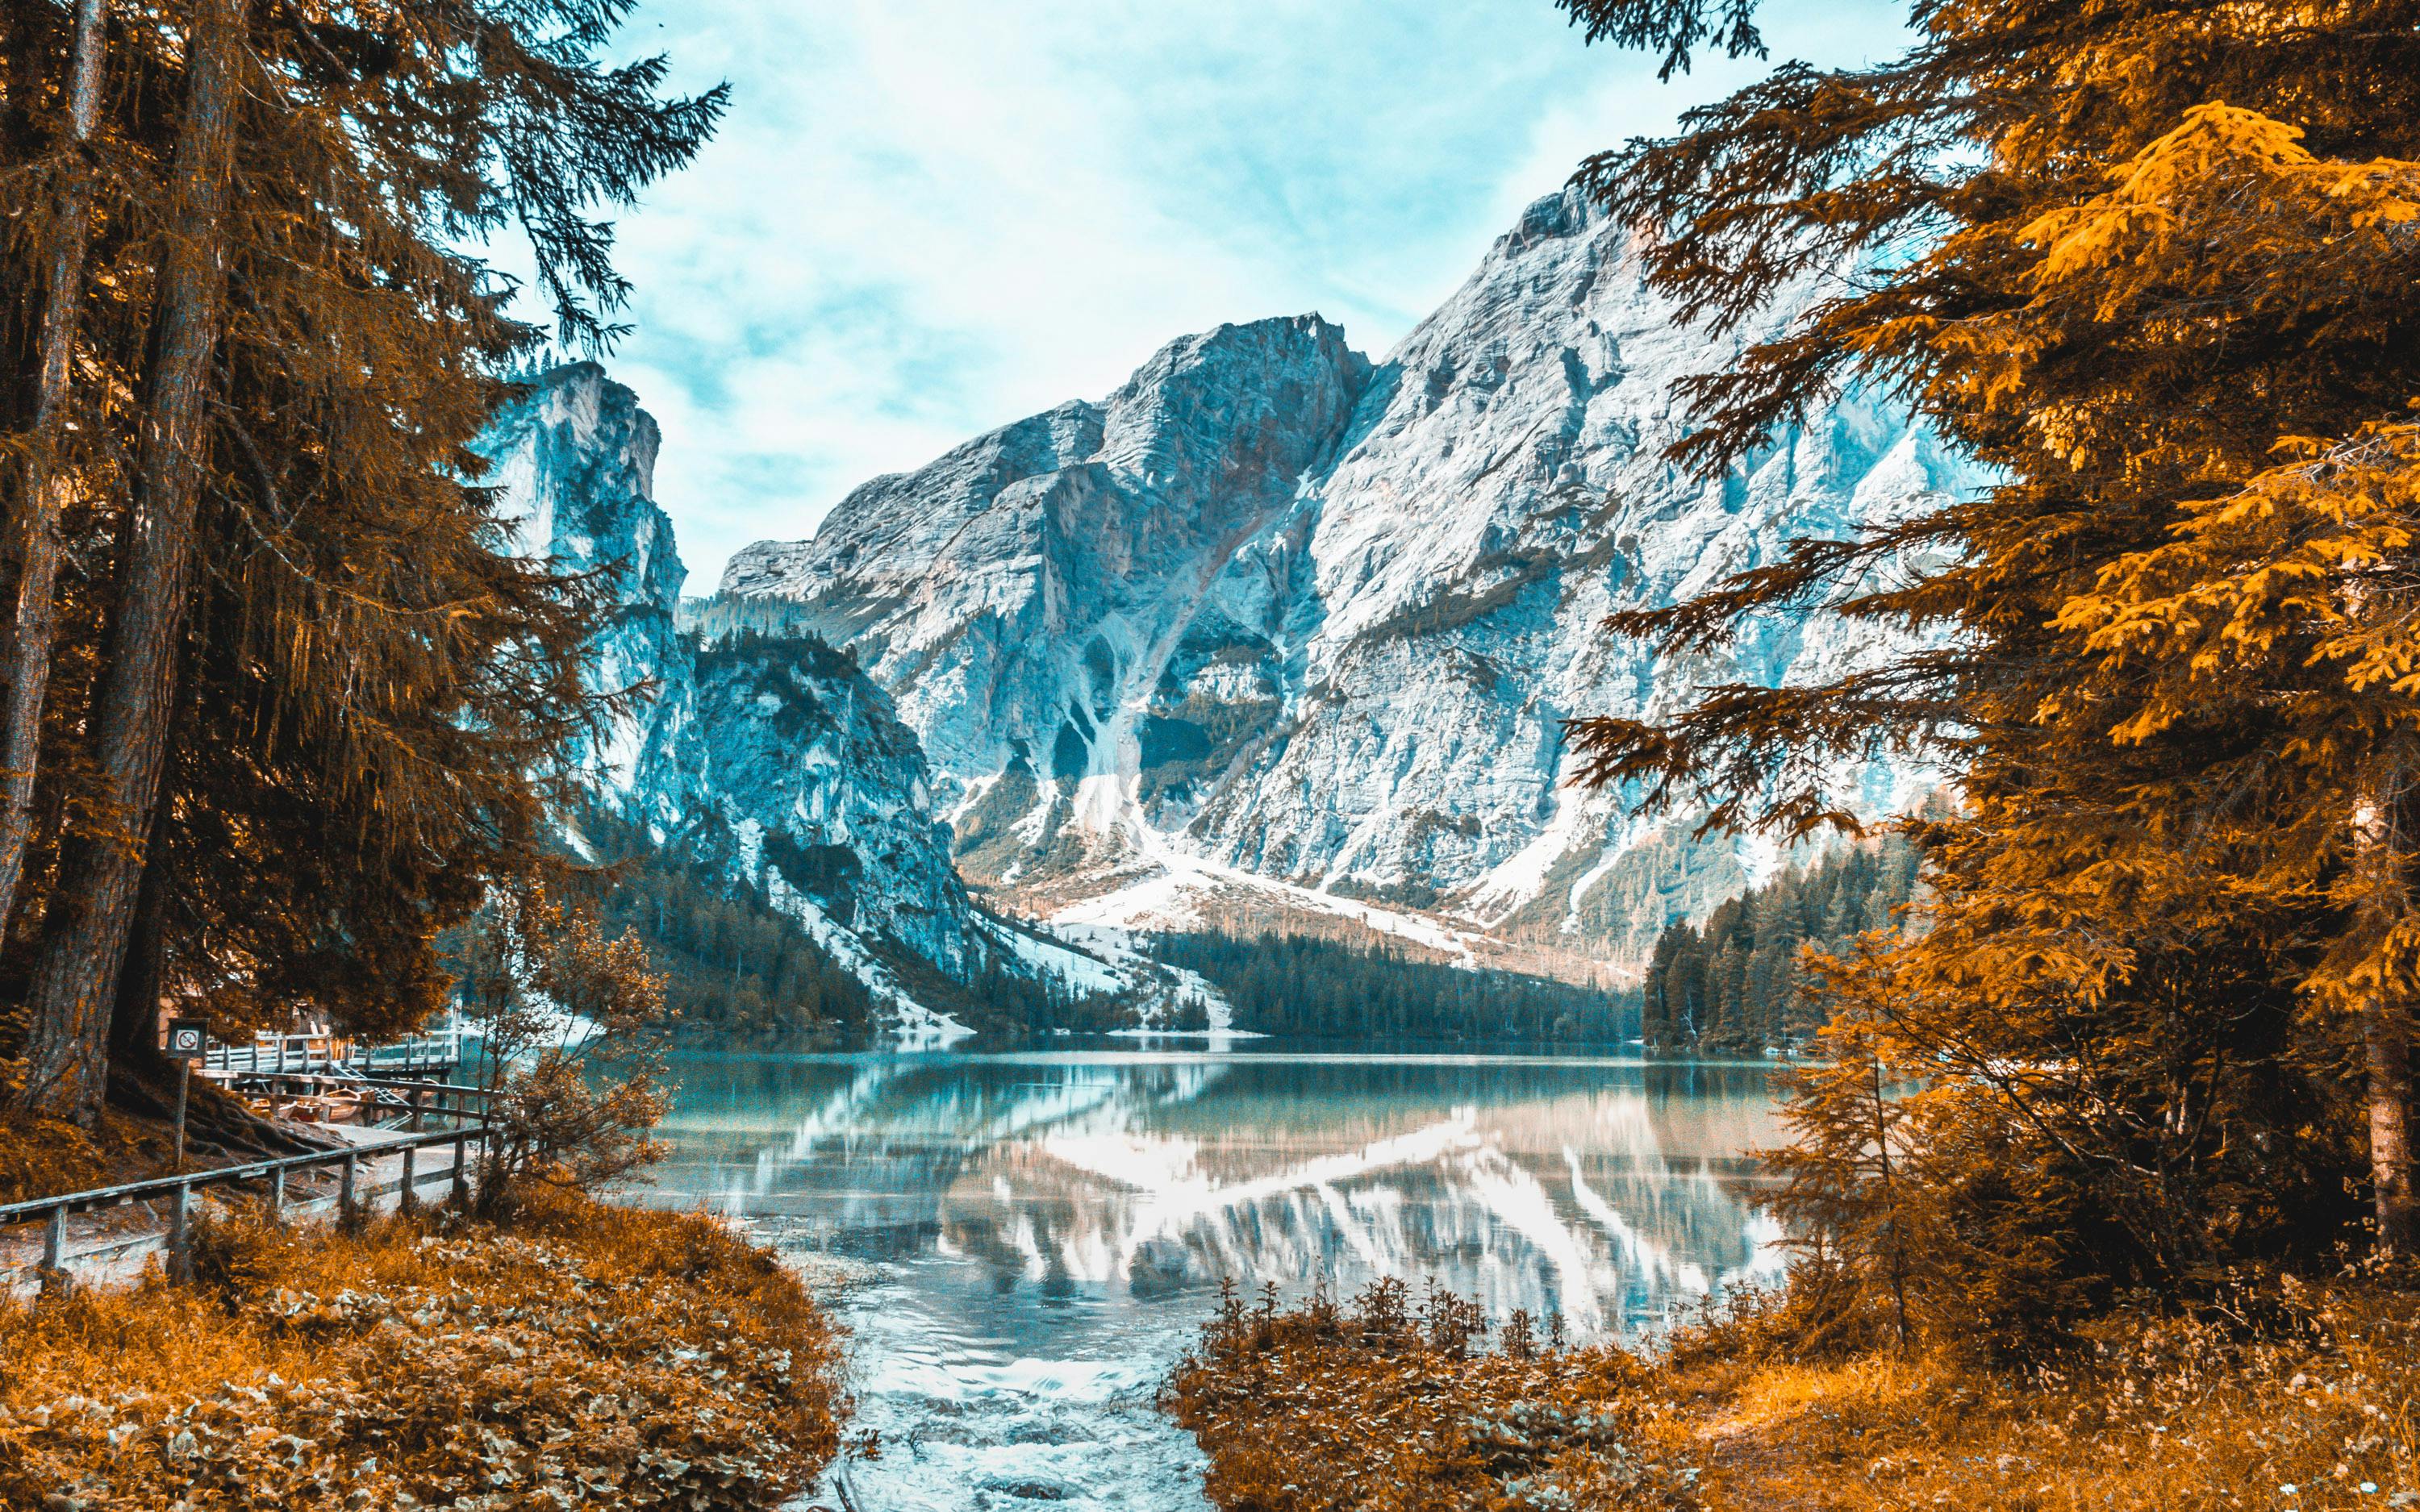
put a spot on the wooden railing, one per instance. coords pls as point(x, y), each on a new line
point(177, 1191)
point(418, 1100)
point(279, 1053)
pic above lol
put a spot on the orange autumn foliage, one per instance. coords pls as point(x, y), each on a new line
point(2148, 265)
point(592, 1356)
point(2291, 1395)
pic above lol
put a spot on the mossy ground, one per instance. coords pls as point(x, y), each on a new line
point(2281, 1396)
point(585, 1355)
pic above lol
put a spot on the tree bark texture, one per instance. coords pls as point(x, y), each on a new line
point(2385, 1031)
point(134, 1017)
point(2386, 1044)
point(92, 906)
point(33, 625)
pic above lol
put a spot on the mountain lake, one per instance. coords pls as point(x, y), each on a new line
point(1026, 1241)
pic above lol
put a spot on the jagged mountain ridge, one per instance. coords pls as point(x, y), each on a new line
point(1274, 611)
point(773, 761)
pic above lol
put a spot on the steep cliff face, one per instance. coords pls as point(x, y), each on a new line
point(779, 763)
point(1502, 490)
point(774, 762)
point(575, 458)
point(1272, 613)
point(1023, 596)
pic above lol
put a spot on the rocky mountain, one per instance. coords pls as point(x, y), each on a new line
point(1276, 627)
point(774, 762)
point(574, 459)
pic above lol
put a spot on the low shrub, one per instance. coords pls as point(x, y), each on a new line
point(42, 1156)
point(2278, 1395)
point(591, 1355)
point(1380, 1405)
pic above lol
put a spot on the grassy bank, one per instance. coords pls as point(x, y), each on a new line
point(588, 1355)
point(2286, 1395)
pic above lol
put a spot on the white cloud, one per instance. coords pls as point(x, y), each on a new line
point(923, 218)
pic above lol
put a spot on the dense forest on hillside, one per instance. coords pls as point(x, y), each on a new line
point(732, 963)
point(1011, 1003)
point(1291, 984)
point(736, 965)
point(1734, 985)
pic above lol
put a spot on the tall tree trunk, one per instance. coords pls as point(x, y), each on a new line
point(83, 939)
point(36, 546)
point(2386, 1037)
point(2386, 1041)
point(134, 1018)
point(1891, 1197)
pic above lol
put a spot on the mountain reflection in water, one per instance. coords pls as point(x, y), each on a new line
point(1049, 1229)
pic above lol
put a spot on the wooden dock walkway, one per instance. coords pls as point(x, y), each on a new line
point(438, 1055)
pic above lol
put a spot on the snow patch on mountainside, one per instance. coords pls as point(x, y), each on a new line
point(772, 758)
point(911, 1021)
point(1275, 616)
point(1174, 890)
point(1181, 991)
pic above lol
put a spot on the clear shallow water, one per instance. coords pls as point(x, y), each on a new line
point(1041, 1233)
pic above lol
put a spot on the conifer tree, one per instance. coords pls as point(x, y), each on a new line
point(307, 715)
point(34, 547)
point(1820, 908)
point(2118, 254)
point(91, 908)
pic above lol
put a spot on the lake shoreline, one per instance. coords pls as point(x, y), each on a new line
point(1037, 1235)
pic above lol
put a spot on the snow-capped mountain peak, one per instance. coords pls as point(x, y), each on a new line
point(1272, 610)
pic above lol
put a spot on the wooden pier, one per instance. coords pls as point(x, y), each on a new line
point(438, 1056)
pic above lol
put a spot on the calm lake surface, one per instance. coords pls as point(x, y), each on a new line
point(1041, 1233)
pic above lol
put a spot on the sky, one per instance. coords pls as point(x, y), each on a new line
point(922, 218)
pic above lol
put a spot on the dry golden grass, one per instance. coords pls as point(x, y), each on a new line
point(589, 1355)
point(1384, 1406)
point(2282, 1396)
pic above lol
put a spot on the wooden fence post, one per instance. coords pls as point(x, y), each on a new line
point(345, 1208)
point(277, 1194)
point(461, 1183)
point(184, 1084)
point(180, 1248)
point(55, 1245)
point(409, 1197)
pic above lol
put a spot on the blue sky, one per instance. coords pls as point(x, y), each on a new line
point(925, 218)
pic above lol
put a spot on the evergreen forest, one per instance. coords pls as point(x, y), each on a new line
point(734, 965)
point(737, 967)
point(1738, 984)
point(1297, 984)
